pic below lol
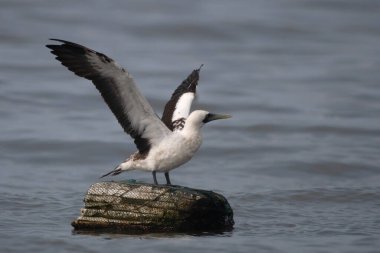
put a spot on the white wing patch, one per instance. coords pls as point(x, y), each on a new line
point(183, 106)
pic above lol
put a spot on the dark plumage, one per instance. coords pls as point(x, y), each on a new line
point(188, 85)
point(112, 81)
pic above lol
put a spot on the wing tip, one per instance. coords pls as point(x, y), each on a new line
point(59, 40)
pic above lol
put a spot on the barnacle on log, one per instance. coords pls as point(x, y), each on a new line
point(138, 207)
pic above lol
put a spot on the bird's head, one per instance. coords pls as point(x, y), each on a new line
point(200, 117)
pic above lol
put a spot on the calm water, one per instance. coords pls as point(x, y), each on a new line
point(299, 161)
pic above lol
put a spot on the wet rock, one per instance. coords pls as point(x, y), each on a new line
point(142, 208)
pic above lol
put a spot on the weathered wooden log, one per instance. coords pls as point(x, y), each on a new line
point(138, 207)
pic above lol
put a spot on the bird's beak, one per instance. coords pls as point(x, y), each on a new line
point(214, 116)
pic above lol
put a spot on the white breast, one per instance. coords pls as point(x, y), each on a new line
point(174, 151)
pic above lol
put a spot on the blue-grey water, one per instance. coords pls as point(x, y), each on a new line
point(299, 161)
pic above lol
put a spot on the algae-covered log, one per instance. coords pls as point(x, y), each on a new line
point(138, 207)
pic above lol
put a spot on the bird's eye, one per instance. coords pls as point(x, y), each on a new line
point(207, 118)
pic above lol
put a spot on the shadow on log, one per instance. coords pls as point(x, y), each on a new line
point(144, 208)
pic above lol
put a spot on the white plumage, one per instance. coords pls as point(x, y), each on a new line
point(183, 106)
point(173, 150)
point(162, 145)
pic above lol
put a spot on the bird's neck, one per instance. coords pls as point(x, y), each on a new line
point(191, 129)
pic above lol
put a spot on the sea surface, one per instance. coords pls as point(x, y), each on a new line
point(299, 162)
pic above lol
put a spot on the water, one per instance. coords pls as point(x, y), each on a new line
point(299, 161)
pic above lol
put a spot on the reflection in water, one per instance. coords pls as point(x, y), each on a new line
point(116, 235)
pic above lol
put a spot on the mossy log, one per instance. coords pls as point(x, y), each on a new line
point(138, 207)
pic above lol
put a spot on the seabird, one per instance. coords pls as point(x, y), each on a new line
point(162, 144)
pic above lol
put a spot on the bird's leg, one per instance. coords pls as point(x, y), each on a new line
point(154, 177)
point(167, 178)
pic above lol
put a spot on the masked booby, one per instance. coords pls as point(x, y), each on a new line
point(162, 144)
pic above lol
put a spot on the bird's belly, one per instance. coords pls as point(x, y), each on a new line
point(178, 154)
point(173, 159)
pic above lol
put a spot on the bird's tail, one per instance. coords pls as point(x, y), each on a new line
point(113, 172)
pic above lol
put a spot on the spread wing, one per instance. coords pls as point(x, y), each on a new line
point(118, 90)
point(177, 109)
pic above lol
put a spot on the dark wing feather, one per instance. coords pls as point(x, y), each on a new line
point(117, 88)
point(188, 85)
